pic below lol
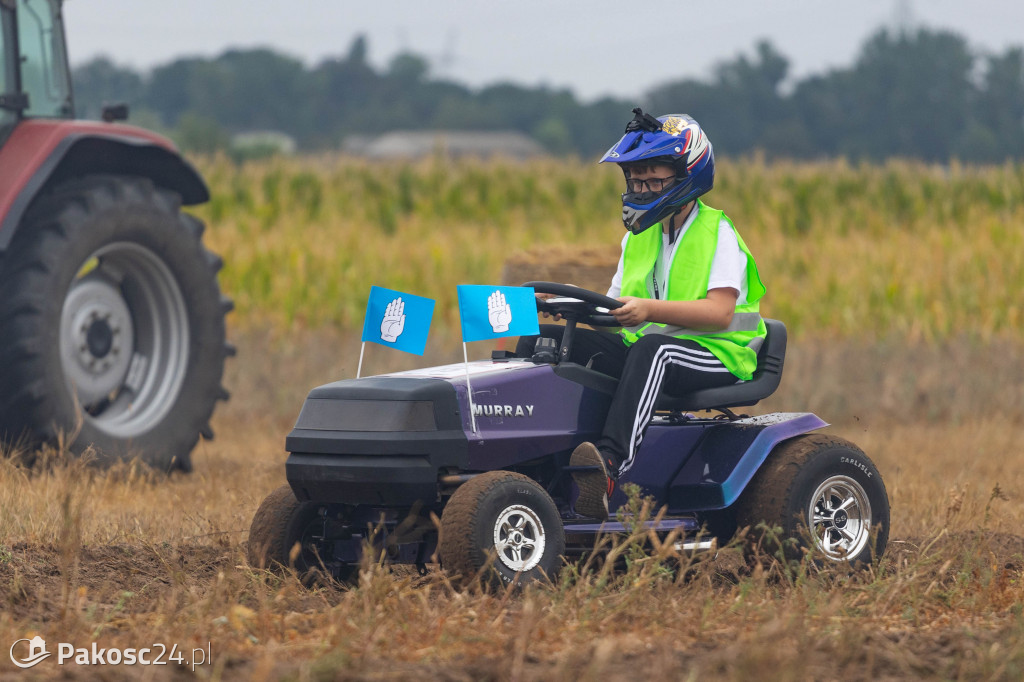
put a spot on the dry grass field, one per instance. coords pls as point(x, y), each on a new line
point(126, 558)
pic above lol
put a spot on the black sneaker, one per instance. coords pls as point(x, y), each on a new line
point(595, 486)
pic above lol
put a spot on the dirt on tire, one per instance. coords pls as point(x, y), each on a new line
point(466, 544)
point(772, 494)
point(270, 536)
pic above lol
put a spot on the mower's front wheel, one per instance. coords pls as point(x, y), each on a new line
point(825, 495)
point(504, 523)
point(284, 533)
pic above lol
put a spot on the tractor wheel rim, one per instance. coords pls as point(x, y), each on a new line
point(519, 538)
point(124, 339)
point(840, 518)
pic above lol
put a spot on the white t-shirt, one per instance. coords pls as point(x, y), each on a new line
point(728, 269)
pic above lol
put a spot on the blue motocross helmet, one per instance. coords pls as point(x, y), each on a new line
point(676, 140)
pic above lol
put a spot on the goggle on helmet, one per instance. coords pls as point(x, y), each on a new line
point(676, 140)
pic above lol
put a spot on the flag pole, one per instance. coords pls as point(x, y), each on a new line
point(359, 369)
point(469, 389)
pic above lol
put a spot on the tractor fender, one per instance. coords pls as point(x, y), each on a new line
point(42, 153)
point(727, 458)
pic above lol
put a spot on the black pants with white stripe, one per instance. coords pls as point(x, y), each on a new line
point(642, 369)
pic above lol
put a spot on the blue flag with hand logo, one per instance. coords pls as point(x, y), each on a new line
point(491, 312)
point(398, 320)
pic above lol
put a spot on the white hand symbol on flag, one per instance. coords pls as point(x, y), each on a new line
point(499, 313)
point(394, 321)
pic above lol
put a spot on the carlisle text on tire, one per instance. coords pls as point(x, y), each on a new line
point(824, 492)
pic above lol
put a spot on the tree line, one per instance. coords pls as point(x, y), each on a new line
point(919, 94)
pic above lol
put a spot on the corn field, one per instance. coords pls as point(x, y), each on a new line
point(903, 250)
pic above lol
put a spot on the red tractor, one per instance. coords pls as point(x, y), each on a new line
point(111, 318)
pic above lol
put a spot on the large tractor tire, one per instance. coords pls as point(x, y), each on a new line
point(503, 526)
point(111, 324)
point(825, 495)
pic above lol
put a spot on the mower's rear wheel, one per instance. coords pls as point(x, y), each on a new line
point(504, 525)
point(285, 532)
point(825, 495)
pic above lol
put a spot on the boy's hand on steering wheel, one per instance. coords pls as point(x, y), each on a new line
point(555, 316)
point(544, 297)
point(634, 311)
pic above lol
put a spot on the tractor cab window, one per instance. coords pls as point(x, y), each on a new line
point(8, 80)
point(44, 76)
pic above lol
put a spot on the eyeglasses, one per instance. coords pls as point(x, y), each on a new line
point(635, 185)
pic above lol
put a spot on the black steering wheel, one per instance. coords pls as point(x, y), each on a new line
point(576, 304)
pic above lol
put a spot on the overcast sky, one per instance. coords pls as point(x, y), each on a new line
point(593, 47)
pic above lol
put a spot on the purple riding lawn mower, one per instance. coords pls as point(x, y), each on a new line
point(372, 459)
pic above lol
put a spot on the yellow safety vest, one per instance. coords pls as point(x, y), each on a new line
point(735, 346)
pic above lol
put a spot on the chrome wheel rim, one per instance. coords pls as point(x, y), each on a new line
point(519, 538)
point(840, 518)
point(124, 339)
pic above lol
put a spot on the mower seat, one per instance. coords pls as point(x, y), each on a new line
point(766, 379)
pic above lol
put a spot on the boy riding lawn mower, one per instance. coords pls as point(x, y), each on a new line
point(371, 459)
